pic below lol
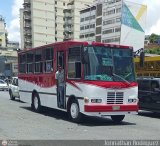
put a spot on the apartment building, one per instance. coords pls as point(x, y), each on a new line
point(37, 23)
point(47, 21)
point(3, 32)
point(114, 21)
point(72, 18)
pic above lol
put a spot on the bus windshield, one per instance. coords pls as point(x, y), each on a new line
point(108, 64)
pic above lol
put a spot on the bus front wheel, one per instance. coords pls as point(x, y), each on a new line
point(36, 103)
point(74, 111)
point(117, 118)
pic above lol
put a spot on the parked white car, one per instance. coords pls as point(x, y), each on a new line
point(3, 85)
point(14, 89)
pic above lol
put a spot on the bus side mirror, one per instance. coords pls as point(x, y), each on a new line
point(142, 55)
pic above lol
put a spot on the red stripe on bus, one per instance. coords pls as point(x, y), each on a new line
point(109, 108)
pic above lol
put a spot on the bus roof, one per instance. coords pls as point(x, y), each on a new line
point(85, 43)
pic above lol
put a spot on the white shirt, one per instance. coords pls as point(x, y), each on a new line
point(60, 77)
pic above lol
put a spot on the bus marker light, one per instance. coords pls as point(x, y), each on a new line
point(86, 100)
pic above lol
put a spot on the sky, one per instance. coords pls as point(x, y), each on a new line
point(9, 9)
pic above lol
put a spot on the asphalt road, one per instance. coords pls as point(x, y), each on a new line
point(18, 122)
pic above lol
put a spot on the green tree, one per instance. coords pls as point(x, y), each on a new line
point(153, 37)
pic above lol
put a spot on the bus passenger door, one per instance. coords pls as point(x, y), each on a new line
point(61, 91)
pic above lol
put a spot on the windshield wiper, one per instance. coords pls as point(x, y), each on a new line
point(121, 78)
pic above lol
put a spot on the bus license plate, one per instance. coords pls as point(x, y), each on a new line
point(115, 107)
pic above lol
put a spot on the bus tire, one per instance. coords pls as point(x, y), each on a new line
point(117, 118)
point(74, 111)
point(11, 95)
point(36, 103)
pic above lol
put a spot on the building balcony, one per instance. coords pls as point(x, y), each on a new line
point(27, 25)
point(27, 17)
point(27, 9)
point(27, 29)
point(68, 22)
point(27, 33)
point(67, 14)
point(67, 29)
point(28, 40)
point(26, 2)
point(28, 45)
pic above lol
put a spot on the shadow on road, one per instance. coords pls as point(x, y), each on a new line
point(87, 121)
point(18, 100)
point(149, 114)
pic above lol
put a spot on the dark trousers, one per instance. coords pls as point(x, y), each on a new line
point(61, 95)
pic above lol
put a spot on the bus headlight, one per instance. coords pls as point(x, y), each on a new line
point(135, 100)
point(96, 100)
point(132, 100)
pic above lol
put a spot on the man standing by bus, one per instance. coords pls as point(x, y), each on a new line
point(59, 76)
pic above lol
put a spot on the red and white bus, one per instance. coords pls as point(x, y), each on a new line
point(100, 79)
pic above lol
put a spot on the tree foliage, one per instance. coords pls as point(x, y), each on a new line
point(154, 37)
point(153, 51)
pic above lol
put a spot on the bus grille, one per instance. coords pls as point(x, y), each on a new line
point(115, 98)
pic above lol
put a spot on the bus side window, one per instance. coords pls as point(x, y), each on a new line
point(48, 59)
point(38, 61)
point(74, 63)
point(30, 59)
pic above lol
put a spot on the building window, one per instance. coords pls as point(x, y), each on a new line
point(108, 31)
point(110, 40)
point(55, 2)
point(82, 28)
point(118, 29)
point(87, 27)
point(111, 1)
point(118, 19)
point(81, 36)
point(64, 4)
point(118, 1)
point(92, 34)
point(92, 26)
point(110, 12)
point(107, 22)
point(118, 10)
point(82, 19)
point(86, 35)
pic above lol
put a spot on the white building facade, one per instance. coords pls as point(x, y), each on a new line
point(47, 21)
point(116, 21)
point(3, 32)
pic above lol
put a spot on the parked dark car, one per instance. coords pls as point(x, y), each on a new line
point(149, 94)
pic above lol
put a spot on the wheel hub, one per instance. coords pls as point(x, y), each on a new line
point(74, 110)
point(36, 103)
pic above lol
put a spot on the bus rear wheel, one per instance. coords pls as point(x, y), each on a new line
point(74, 112)
point(117, 118)
point(36, 103)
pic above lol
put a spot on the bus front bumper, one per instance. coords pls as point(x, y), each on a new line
point(111, 108)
